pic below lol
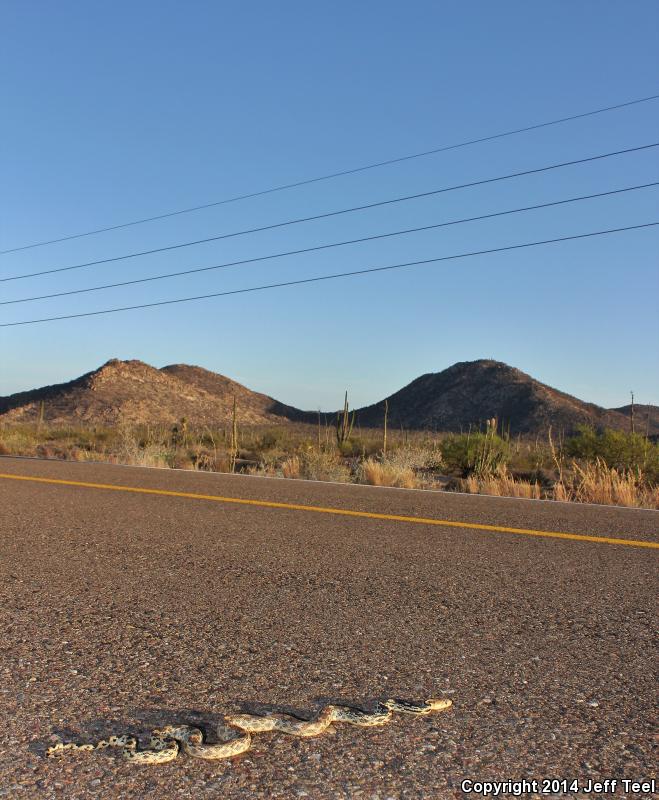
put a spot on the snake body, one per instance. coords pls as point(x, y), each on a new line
point(236, 737)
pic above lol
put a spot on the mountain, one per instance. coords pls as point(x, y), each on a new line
point(134, 392)
point(224, 390)
point(461, 396)
point(470, 392)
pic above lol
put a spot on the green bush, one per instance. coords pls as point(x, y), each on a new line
point(617, 449)
point(350, 447)
point(268, 441)
point(480, 454)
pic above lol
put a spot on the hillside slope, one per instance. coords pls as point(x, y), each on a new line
point(224, 389)
point(470, 392)
point(136, 393)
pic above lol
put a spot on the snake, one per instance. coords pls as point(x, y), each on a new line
point(235, 735)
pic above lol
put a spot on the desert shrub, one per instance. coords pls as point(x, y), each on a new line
point(351, 447)
point(130, 452)
point(320, 465)
point(47, 451)
point(310, 464)
point(402, 467)
point(478, 453)
point(172, 459)
point(421, 457)
point(386, 473)
point(151, 456)
point(267, 441)
point(19, 440)
point(617, 449)
point(203, 460)
point(269, 465)
point(79, 454)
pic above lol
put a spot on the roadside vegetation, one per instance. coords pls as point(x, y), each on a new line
point(610, 467)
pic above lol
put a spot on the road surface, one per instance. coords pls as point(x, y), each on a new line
point(124, 610)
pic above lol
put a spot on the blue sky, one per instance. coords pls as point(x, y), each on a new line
point(118, 111)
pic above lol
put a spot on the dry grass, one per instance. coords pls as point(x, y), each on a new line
point(320, 465)
point(311, 465)
point(423, 456)
point(503, 485)
point(404, 467)
point(385, 473)
point(291, 467)
point(561, 492)
point(592, 482)
point(148, 456)
point(595, 482)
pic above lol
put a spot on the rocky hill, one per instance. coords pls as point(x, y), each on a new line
point(470, 392)
point(461, 396)
point(224, 390)
point(134, 392)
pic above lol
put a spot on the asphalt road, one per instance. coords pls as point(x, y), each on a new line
point(124, 611)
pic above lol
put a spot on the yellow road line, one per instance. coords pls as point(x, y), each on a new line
point(579, 537)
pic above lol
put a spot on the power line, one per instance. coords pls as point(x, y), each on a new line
point(328, 246)
point(328, 214)
point(332, 175)
point(329, 277)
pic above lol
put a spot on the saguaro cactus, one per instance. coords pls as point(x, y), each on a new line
point(233, 450)
point(344, 423)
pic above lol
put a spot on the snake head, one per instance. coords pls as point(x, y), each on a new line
point(439, 704)
point(423, 707)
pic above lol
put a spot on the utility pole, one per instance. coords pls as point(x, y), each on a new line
point(632, 414)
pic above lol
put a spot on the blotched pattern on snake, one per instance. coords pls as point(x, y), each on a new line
point(236, 736)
